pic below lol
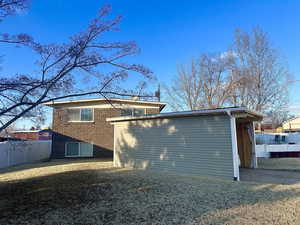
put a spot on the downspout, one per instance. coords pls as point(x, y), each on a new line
point(235, 155)
point(115, 145)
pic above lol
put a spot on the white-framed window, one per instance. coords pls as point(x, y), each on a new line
point(80, 114)
point(78, 149)
point(133, 112)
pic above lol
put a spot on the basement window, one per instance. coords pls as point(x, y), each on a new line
point(82, 114)
point(78, 149)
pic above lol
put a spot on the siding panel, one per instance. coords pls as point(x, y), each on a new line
point(189, 145)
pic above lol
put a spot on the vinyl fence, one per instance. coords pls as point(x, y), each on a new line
point(18, 152)
point(261, 151)
point(264, 150)
point(270, 139)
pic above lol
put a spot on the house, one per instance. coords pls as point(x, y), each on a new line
point(80, 128)
point(210, 142)
point(265, 126)
point(30, 135)
point(291, 125)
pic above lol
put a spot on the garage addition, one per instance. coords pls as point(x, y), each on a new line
point(210, 142)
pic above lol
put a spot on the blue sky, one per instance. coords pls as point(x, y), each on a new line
point(168, 32)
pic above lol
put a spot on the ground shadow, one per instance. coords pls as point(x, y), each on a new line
point(52, 162)
point(59, 141)
point(118, 196)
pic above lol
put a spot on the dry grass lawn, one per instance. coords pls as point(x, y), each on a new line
point(92, 192)
point(279, 163)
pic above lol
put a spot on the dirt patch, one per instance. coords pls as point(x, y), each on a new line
point(95, 193)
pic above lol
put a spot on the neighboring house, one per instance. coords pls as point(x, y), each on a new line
point(3, 139)
point(212, 142)
point(80, 128)
point(291, 125)
point(265, 126)
point(30, 135)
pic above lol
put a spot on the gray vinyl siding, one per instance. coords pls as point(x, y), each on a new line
point(188, 145)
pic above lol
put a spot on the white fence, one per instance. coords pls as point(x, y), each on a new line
point(269, 139)
point(293, 137)
point(18, 152)
point(261, 151)
point(264, 150)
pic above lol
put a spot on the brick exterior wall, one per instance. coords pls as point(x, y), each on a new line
point(99, 132)
point(152, 111)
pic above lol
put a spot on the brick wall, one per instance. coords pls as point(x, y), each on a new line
point(152, 111)
point(99, 132)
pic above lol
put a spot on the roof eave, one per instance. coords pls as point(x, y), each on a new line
point(255, 115)
point(53, 104)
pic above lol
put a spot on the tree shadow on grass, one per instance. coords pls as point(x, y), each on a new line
point(119, 196)
point(52, 162)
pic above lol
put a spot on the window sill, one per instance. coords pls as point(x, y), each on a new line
point(81, 121)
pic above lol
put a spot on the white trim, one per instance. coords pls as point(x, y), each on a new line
point(118, 106)
point(114, 153)
point(104, 100)
point(79, 149)
point(235, 154)
point(253, 147)
point(235, 110)
point(75, 121)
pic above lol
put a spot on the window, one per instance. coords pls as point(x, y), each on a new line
point(132, 112)
point(138, 112)
point(86, 115)
point(72, 149)
point(74, 114)
point(83, 114)
point(86, 149)
point(79, 149)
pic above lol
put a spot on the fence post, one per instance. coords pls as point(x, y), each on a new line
point(265, 148)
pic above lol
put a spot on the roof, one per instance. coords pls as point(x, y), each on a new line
point(25, 131)
point(228, 111)
point(160, 104)
point(31, 131)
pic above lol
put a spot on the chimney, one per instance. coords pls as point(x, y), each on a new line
point(157, 93)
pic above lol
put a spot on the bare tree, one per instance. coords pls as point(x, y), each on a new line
point(203, 83)
point(215, 71)
point(278, 117)
point(251, 73)
point(85, 57)
point(260, 73)
point(186, 89)
point(10, 7)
